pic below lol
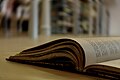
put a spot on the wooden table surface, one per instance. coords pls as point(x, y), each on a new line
point(17, 71)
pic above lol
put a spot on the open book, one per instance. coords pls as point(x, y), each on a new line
point(96, 56)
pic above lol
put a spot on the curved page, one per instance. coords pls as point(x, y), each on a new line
point(61, 53)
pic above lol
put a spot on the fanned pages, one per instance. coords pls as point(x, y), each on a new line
point(62, 52)
point(86, 55)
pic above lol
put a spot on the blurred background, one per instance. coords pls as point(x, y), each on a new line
point(33, 18)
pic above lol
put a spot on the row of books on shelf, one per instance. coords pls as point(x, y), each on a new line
point(62, 14)
point(77, 16)
point(87, 14)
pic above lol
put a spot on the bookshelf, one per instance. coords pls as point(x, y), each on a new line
point(89, 17)
point(78, 17)
point(61, 16)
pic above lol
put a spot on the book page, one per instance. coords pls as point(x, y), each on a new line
point(113, 63)
point(100, 49)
